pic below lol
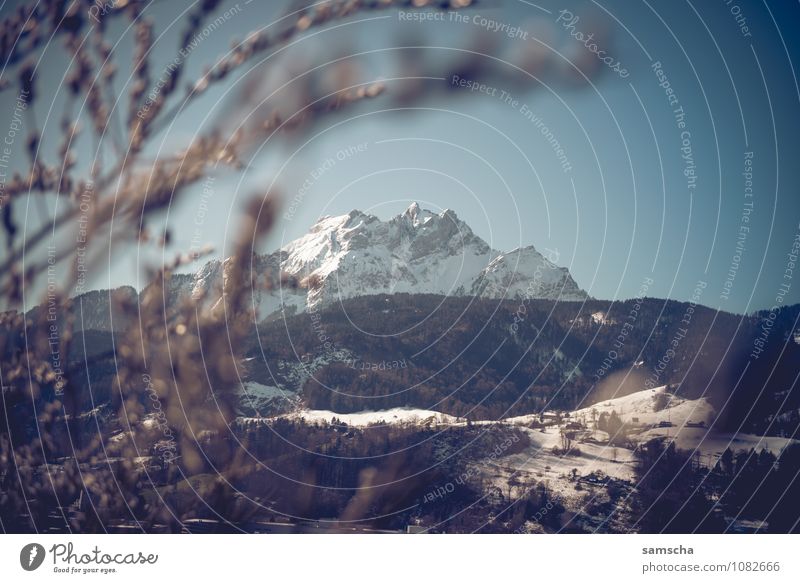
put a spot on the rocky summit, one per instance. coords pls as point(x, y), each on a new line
point(417, 251)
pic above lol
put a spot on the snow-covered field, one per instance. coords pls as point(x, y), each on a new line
point(364, 418)
point(639, 408)
point(636, 409)
point(713, 444)
point(574, 478)
point(259, 398)
point(539, 462)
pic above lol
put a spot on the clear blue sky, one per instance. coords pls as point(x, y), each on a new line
point(624, 212)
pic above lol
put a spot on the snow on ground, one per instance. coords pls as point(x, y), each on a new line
point(259, 398)
point(363, 418)
point(540, 463)
point(266, 392)
point(639, 407)
point(713, 443)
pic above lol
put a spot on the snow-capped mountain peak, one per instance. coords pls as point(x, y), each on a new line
point(417, 251)
point(417, 216)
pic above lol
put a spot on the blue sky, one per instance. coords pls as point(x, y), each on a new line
point(624, 212)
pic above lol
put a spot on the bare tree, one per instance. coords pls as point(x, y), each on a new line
point(121, 190)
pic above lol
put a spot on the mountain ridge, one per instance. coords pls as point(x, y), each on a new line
point(417, 251)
